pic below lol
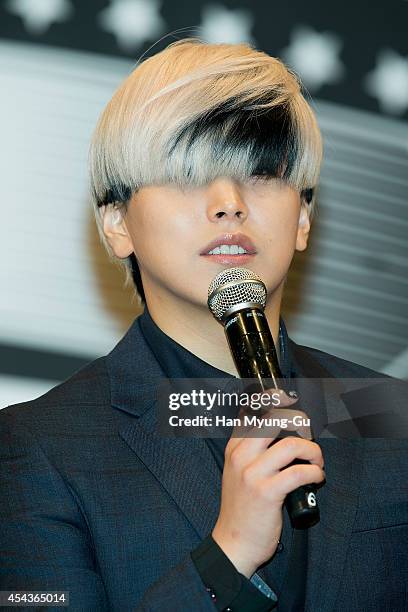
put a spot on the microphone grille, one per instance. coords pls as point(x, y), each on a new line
point(232, 287)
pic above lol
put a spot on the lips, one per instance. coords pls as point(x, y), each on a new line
point(239, 239)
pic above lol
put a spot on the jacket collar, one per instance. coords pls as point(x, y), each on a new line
point(134, 373)
point(134, 370)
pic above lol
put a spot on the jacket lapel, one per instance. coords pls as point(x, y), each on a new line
point(185, 467)
point(328, 541)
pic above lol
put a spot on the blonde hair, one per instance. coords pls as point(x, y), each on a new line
point(196, 111)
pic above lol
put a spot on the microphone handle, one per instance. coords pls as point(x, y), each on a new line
point(254, 353)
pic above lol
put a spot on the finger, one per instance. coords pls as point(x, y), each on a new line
point(284, 399)
point(276, 397)
point(267, 399)
point(251, 439)
point(291, 478)
point(282, 453)
point(273, 422)
point(241, 430)
point(269, 425)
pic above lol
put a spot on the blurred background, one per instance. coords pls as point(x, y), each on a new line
point(62, 303)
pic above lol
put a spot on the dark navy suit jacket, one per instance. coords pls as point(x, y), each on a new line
point(93, 501)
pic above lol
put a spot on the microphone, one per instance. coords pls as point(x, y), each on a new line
point(237, 298)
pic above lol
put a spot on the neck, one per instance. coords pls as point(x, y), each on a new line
point(194, 327)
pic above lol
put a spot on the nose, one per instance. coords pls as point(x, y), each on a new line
point(225, 202)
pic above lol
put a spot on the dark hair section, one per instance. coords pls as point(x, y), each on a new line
point(117, 193)
point(307, 194)
point(267, 134)
point(137, 279)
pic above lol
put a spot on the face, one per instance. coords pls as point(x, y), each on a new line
point(171, 232)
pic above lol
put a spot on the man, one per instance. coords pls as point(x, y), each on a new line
point(206, 157)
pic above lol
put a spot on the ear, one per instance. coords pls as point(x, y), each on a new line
point(303, 226)
point(116, 232)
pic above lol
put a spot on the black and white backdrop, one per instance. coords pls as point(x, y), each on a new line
point(62, 303)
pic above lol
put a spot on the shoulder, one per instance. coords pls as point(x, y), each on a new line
point(336, 367)
point(84, 394)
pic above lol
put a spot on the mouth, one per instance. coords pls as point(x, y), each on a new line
point(229, 249)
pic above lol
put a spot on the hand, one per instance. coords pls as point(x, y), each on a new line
point(254, 487)
point(284, 410)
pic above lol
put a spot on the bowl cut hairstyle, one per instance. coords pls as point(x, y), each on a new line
point(196, 111)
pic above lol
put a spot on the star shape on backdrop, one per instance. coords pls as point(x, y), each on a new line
point(218, 24)
point(39, 15)
point(314, 56)
point(132, 22)
point(388, 82)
